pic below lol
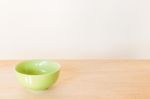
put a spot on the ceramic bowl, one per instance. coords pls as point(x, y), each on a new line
point(37, 74)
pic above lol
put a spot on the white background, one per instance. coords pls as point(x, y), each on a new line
point(73, 29)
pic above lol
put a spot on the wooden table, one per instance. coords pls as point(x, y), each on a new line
point(85, 79)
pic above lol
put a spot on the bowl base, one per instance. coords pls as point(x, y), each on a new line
point(37, 90)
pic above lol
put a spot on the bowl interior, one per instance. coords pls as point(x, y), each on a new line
point(37, 67)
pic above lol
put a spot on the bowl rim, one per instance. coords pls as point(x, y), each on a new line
point(48, 73)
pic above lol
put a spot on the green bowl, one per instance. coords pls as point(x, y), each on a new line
point(37, 74)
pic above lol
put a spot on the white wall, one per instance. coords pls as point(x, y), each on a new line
point(74, 29)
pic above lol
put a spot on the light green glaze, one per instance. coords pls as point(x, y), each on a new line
point(37, 74)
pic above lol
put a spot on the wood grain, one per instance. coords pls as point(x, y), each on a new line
point(85, 79)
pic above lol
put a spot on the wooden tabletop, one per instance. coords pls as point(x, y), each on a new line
point(85, 79)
